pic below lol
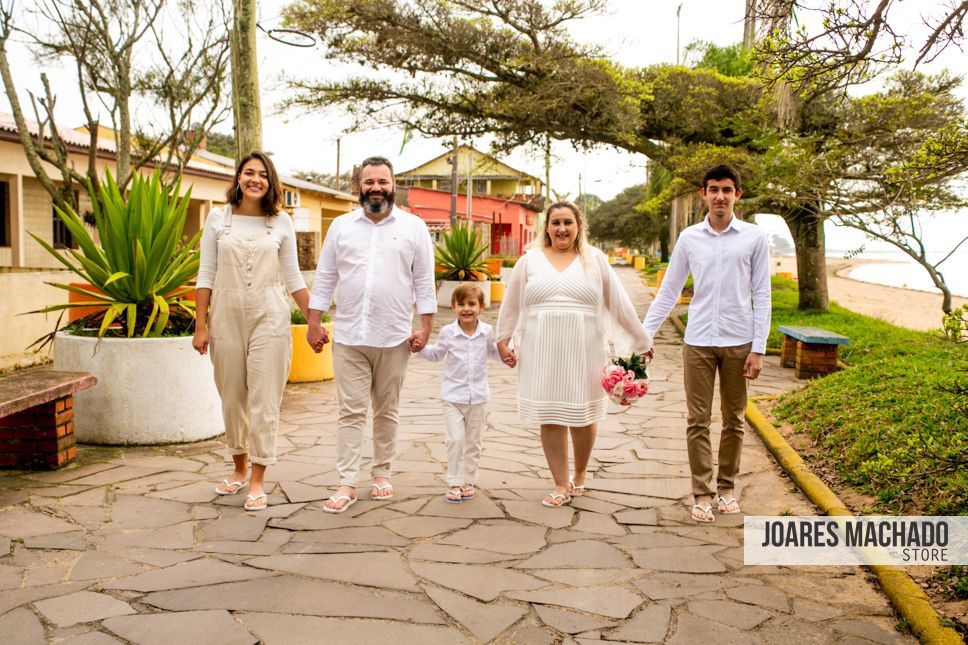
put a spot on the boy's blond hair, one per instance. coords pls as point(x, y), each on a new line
point(467, 290)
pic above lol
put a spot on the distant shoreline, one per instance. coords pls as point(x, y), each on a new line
point(901, 306)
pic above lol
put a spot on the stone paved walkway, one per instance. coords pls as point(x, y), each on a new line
point(133, 545)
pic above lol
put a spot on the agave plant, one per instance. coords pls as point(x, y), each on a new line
point(141, 268)
point(460, 255)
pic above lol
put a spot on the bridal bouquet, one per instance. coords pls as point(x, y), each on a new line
point(626, 380)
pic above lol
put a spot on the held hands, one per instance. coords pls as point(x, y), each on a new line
point(508, 356)
point(200, 341)
point(753, 366)
point(418, 340)
point(317, 337)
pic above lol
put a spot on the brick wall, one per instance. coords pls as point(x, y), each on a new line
point(815, 360)
point(39, 438)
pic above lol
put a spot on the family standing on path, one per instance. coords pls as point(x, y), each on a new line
point(564, 313)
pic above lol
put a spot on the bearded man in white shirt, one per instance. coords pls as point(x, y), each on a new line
point(729, 320)
point(382, 259)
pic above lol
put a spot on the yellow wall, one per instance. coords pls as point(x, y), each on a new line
point(477, 164)
point(23, 291)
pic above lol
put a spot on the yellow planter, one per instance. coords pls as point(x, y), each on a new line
point(497, 291)
point(659, 276)
point(784, 274)
point(308, 366)
point(639, 262)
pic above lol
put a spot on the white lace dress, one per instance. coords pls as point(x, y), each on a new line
point(556, 318)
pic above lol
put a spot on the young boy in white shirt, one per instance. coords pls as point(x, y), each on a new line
point(464, 345)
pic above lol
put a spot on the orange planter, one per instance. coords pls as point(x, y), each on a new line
point(494, 266)
point(76, 313)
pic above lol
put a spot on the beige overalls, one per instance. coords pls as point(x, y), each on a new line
point(251, 342)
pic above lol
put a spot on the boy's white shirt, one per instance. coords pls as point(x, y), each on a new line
point(465, 362)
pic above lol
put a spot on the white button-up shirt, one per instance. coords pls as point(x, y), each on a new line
point(731, 283)
point(382, 270)
point(465, 362)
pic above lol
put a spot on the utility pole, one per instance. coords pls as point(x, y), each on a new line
point(548, 170)
point(245, 79)
point(339, 181)
point(470, 185)
point(453, 187)
point(678, 11)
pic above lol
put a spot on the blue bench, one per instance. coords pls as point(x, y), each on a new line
point(811, 350)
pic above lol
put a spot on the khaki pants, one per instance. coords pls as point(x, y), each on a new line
point(464, 428)
point(700, 365)
point(365, 375)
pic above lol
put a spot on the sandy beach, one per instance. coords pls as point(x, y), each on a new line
point(903, 307)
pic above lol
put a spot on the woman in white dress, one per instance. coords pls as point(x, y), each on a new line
point(563, 309)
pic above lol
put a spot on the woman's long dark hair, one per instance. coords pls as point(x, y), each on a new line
point(272, 200)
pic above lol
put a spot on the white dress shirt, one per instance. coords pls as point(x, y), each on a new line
point(381, 270)
point(731, 279)
point(465, 362)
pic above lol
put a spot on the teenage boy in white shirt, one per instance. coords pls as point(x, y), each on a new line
point(464, 345)
point(729, 320)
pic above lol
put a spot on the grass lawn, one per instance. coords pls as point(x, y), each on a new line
point(894, 425)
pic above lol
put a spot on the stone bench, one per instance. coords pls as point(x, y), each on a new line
point(37, 418)
point(811, 350)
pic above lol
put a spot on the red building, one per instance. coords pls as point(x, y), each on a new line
point(506, 224)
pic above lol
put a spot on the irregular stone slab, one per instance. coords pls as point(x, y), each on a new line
point(310, 547)
point(815, 611)
point(646, 517)
point(869, 630)
point(278, 629)
point(354, 535)
point(481, 581)
point(650, 625)
point(90, 497)
point(90, 638)
point(17, 597)
point(195, 493)
point(137, 512)
point(664, 586)
point(180, 536)
point(241, 528)
point(4, 546)
point(287, 594)
point(485, 621)
point(535, 513)
point(614, 602)
point(73, 541)
point(481, 507)
point(664, 487)
point(82, 607)
point(156, 461)
point(443, 553)
point(361, 514)
point(153, 557)
point(735, 614)
point(94, 565)
point(69, 473)
point(10, 577)
point(299, 492)
point(783, 629)
point(764, 596)
point(569, 622)
point(188, 574)
point(409, 507)
point(654, 540)
point(19, 523)
point(593, 505)
point(184, 628)
point(691, 630)
point(115, 475)
point(598, 524)
point(588, 577)
point(25, 625)
point(686, 559)
point(420, 527)
point(384, 570)
point(583, 554)
point(503, 537)
point(229, 547)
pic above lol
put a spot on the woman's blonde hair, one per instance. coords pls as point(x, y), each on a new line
point(581, 240)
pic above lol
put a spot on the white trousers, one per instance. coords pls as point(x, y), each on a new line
point(463, 436)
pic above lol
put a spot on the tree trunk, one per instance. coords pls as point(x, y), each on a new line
point(806, 227)
point(245, 79)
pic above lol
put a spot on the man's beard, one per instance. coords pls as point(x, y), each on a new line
point(378, 207)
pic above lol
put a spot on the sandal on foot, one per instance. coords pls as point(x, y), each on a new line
point(467, 491)
point(576, 491)
point(380, 495)
point(453, 496)
point(336, 500)
point(254, 506)
point(724, 503)
point(706, 511)
point(555, 497)
point(231, 488)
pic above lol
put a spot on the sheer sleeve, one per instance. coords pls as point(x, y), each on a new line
point(510, 319)
point(622, 327)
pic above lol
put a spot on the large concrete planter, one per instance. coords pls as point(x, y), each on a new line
point(150, 390)
point(307, 366)
point(446, 290)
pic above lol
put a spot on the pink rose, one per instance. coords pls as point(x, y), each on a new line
point(643, 388)
point(630, 391)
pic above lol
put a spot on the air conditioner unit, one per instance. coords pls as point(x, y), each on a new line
point(291, 198)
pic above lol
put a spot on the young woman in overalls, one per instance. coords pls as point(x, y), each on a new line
point(248, 263)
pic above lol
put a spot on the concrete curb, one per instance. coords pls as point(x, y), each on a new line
point(905, 594)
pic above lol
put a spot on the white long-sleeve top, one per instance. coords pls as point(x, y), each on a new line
point(465, 362)
point(282, 232)
point(382, 269)
point(731, 283)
